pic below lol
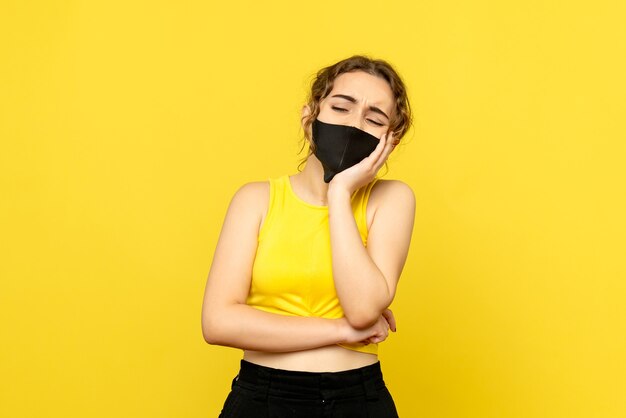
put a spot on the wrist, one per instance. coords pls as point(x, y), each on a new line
point(338, 193)
point(342, 329)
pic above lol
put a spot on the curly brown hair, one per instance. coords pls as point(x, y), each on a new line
point(323, 82)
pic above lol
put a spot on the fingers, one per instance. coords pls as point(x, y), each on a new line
point(390, 145)
point(387, 144)
point(386, 322)
point(378, 338)
point(381, 331)
point(391, 320)
point(378, 151)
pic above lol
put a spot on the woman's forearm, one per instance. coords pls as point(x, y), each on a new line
point(361, 287)
point(248, 328)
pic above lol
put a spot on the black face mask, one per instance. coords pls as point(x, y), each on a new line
point(339, 147)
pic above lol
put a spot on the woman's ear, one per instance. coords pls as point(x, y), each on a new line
point(395, 140)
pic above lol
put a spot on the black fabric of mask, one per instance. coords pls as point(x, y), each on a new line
point(339, 147)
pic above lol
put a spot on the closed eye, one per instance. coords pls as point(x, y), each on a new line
point(341, 109)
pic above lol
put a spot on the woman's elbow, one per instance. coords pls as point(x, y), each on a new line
point(365, 315)
point(211, 332)
point(362, 318)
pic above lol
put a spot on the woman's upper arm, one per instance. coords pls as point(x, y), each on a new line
point(391, 228)
point(230, 273)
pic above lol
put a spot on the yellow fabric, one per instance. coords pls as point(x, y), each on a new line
point(292, 272)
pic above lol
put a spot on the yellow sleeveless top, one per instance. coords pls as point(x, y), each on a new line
point(292, 272)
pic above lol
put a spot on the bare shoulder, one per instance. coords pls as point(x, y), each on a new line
point(251, 199)
point(253, 191)
point(392, 193)
point(393, 197)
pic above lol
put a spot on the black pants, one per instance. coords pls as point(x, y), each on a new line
point(263, 392)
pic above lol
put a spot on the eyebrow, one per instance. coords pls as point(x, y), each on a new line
point(353, 100)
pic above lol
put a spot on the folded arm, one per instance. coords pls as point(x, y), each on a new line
point(366, 277)
point(228, 321)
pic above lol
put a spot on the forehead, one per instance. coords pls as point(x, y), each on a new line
point(365, 88)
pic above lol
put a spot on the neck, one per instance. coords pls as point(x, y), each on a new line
point(310, 182)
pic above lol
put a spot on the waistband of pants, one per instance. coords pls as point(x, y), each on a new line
point(264, 381)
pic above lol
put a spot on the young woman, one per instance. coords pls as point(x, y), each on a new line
point(306, 265)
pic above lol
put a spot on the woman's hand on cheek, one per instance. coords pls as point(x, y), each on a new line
point(364, 172)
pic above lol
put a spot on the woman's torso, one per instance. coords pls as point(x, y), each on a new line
point(292, 275)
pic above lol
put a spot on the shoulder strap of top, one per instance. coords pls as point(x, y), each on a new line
point(277, 195)
point(359, 206)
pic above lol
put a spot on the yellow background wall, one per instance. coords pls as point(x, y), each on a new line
point(126, 127)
